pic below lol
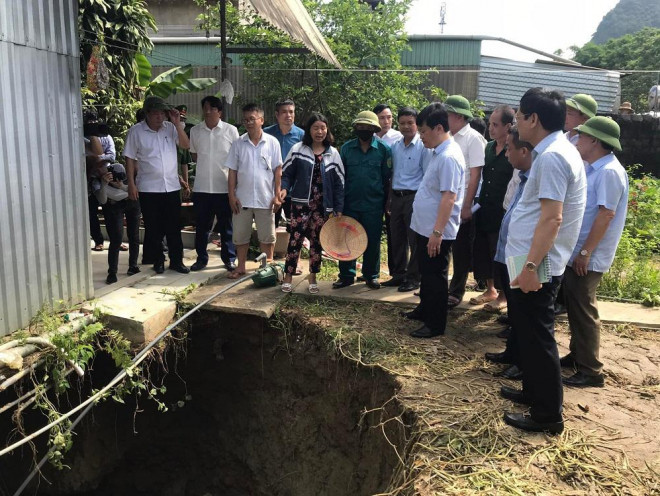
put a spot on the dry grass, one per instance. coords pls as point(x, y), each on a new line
point(459, 444)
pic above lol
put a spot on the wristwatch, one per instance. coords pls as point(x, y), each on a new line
point(530, 266)
point(437, 233)
point(584, 253)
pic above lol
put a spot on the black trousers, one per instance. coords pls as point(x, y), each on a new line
point(162, 217)
point(403, 240)
point(512, 347)
point(433, 290)
point(114, 214)
point(534, 317)
point(208, 206)
point(94, 224)
point(485, 247)
point(462, 259)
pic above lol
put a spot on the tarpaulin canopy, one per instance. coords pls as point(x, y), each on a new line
point(291, 17)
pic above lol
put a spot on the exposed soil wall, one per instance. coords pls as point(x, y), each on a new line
point(268, 412)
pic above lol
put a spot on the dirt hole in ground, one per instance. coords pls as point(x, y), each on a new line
point(268, 412)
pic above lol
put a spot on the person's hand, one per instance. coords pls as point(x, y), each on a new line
point(580, 264)
point(275, 203)
point(175, 117)
point(433, 246)
point(527, 281)
point(235, 204)
point(338, 214)
point(283, 194)
point(107, 177)
point(466, 213)
point(132, 192)
point(186, 192)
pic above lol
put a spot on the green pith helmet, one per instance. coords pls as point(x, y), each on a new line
point(583, 103)
point(603, 129)
point(459, 105)
point(155, 103)
point(367, 117)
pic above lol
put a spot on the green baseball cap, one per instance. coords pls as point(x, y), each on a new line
point(367, 117)
point(458, 104)
point(583, 103)
point(155, 103)
point(603, 129)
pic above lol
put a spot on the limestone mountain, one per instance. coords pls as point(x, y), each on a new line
point(627, 17)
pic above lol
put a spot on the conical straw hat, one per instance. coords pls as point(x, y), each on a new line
point(343, 238)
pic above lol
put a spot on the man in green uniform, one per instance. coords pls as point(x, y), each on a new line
point(368, 165)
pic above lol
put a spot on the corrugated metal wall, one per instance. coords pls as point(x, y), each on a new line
point(44, 228)
point(503, 81)
point(441, 53)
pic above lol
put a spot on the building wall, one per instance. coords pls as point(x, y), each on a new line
point(44, 228)
point(640, 140)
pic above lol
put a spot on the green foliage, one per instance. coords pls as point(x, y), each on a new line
point(175, 80)
point(638, 51)
point(628, 16)
point(635, 273)
point(367, 43)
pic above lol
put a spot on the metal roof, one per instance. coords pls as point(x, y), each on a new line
point(503, 81)
point(426, 52)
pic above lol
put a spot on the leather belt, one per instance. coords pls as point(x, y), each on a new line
point(403, 192)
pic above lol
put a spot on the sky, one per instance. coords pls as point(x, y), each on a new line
point(544, 25)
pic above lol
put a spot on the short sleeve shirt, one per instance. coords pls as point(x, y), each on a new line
point(557, 174)
point(407, 170)
point(287, 140)
point(607, 186)
point(212, 148)
point(155, 153)
point(473, 146)
point(255, 166)
point(367, 175)
point(445, 172)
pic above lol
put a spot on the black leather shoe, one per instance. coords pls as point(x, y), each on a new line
point(513, 373)
point(567, 361)
point(111, 279)
point(342, 283)
point(425, 332)
point(360, 279)
point(501, 357)
point(513, 394)
point(580, 379)
point(159, 267)
point(372, 283)
point(394, 282)
point(408, 286)
point(197, 266)
point(133, 270)
point(504, 319)
point(525, 422)
point(505, 333)
point(180, 268)
point(412, 315)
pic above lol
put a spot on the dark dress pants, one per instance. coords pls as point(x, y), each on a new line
point(114, 214)
point(162, 217)
point(403, 240)
point(208, 206)
point(433, 290)
point(462, 259)
point(512, 347)
point(94, 224)
point(534, 317)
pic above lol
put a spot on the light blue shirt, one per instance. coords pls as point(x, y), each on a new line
point(407, 170)
point(286, 140)
point(504, 227)
point(607, 186)
point(445, 172)
point(557, 174)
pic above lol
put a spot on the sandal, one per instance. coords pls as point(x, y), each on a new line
point(286, 287)
point(494, 306)
point(452, 302)
point(313, 288)
point(481, 299)
point(234, 274)
point(123, 247)
point(299, 271)
point(98, 247)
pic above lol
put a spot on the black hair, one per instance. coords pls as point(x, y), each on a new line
point(140, 114)
point(91, 129)
point(434, 114)
point(90, 116)
point(307, 138)
point(406, 111)
point(213, 101)
point(507, 114)
point(282, 103)
point(606, 146)
point(517, 142)
point(253, 107)
point(380, 107)
point(103, 128)
point(479, 125)
point(549, 105)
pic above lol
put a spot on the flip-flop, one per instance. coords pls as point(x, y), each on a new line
point(235, 274)
point(494, 306)
point(286, 287)
point(313, 288)
point(98, 248)
point(299, 271)
point(123, 247)
point(452, 302)
point(481, 299)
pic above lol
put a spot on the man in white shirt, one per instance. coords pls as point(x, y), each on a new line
point(255, 174)
point(545, 223)
point(387, 134)
point(210, 141)
point(150, 152)
point(473, 146)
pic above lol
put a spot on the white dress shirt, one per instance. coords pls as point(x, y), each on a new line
point(212, 148)
point(473, 146)
point(390, 137)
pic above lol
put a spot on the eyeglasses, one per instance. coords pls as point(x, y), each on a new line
point(520, 115)
point(251, 120)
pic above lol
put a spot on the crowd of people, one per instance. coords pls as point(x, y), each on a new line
point(540, 206)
